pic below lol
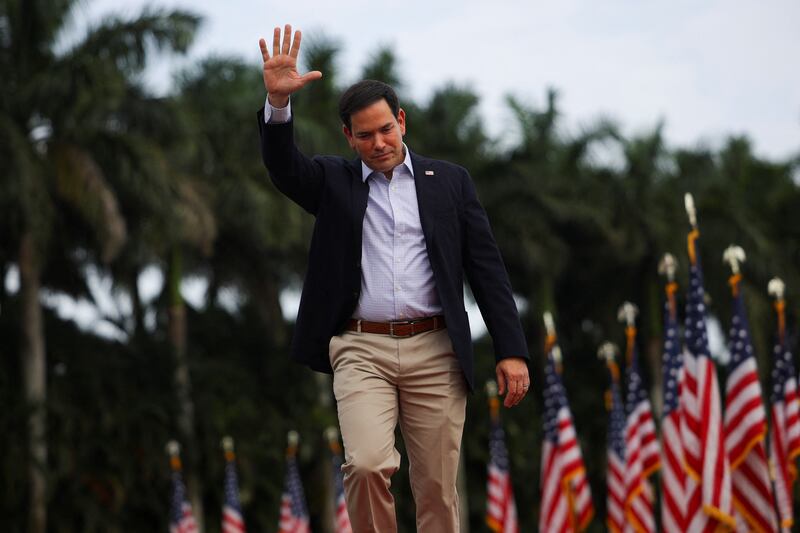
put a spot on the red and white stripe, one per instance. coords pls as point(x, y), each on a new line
point(290, 523)
point(745, 430)
point(673, 475)
point(566, 497)
point(708, 483)
point(187, 523)
point(785, 448)
point(501, 508)
point(232, 521)
point(641, 460)
point(342, 518)
point(615, 498)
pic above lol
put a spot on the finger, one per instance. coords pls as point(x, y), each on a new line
point(296, 44)
point(276, 41)
point(512, 399)
point(287, 39)
point(264, 53)
point(501, 382)
point(514, 389)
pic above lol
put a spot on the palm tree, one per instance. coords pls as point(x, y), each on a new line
point(51, 103)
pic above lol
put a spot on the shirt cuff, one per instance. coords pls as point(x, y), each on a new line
point(277, 115)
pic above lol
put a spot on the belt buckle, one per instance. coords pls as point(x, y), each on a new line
point(401, 323)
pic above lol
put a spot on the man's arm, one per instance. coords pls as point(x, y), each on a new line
point(489, 282)
point(297, 176)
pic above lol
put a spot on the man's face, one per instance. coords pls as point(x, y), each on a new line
point(377, 136)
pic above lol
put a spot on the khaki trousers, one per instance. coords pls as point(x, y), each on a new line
point(379, 381)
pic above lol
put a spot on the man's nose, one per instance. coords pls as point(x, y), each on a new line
point(379, 142)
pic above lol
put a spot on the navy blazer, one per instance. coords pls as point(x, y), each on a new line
point(457, 236)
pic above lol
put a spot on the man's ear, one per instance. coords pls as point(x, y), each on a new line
point(349, 135)
point(401, 120)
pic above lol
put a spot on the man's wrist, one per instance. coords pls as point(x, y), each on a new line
point(278, 101)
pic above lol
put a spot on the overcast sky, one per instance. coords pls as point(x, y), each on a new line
point(708, 68)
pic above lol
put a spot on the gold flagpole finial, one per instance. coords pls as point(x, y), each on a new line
point(173, 448)
point(688, 201)
point(227, 443)
point(607, 352)
point(627, 313)
point(668, 266)
point(550, 331)
point(549, 323)
point(227, 447)
point(494, 402)
point(174, 451)
point(776, 288)
point(557, 358)
point(734, 256)
point(331, 434)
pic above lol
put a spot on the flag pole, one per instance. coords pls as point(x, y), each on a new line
point(667, 267)
point(734, 256)
point(627, 314)
point(292, 439)
point(494, 402)
point(777, 289)
point(173, 450)
point(691, 211)
point(607, 353)
point(227, 447)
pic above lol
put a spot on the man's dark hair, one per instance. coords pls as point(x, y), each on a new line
point(363, 94)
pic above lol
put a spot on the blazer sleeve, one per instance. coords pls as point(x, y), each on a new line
point(488, 278)
point(299, 177)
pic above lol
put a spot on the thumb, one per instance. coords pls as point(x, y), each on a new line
point(311, 76)
point(501, 381)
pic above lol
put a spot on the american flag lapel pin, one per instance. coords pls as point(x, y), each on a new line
point(429, 172)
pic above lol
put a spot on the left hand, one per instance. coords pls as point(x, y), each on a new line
point(512, 376)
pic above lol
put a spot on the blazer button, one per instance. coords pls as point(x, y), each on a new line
point(355, 295)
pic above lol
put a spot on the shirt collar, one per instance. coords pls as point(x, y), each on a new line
point(366, 172)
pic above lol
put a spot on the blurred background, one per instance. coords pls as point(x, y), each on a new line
point(149, 271)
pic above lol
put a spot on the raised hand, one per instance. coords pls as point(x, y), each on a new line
point(281, 78)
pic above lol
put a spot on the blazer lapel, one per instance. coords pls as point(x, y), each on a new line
point(425, 185)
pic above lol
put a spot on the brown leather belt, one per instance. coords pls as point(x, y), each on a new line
point(398, 329)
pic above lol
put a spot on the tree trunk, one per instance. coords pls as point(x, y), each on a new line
point(136, 303)
point(34, 382)
point(183, 384)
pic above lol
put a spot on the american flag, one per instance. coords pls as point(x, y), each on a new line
point(501, 510)
point(342, 519)
point(294, 514)
point(746, 427)
point(181, 519)
point(673, 475)
point(785, 426)
point(232, 519)
point(641, 446)
point(708, 481)
point(615, 497)
point(566, 503)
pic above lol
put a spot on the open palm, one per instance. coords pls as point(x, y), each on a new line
point(281, 78)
